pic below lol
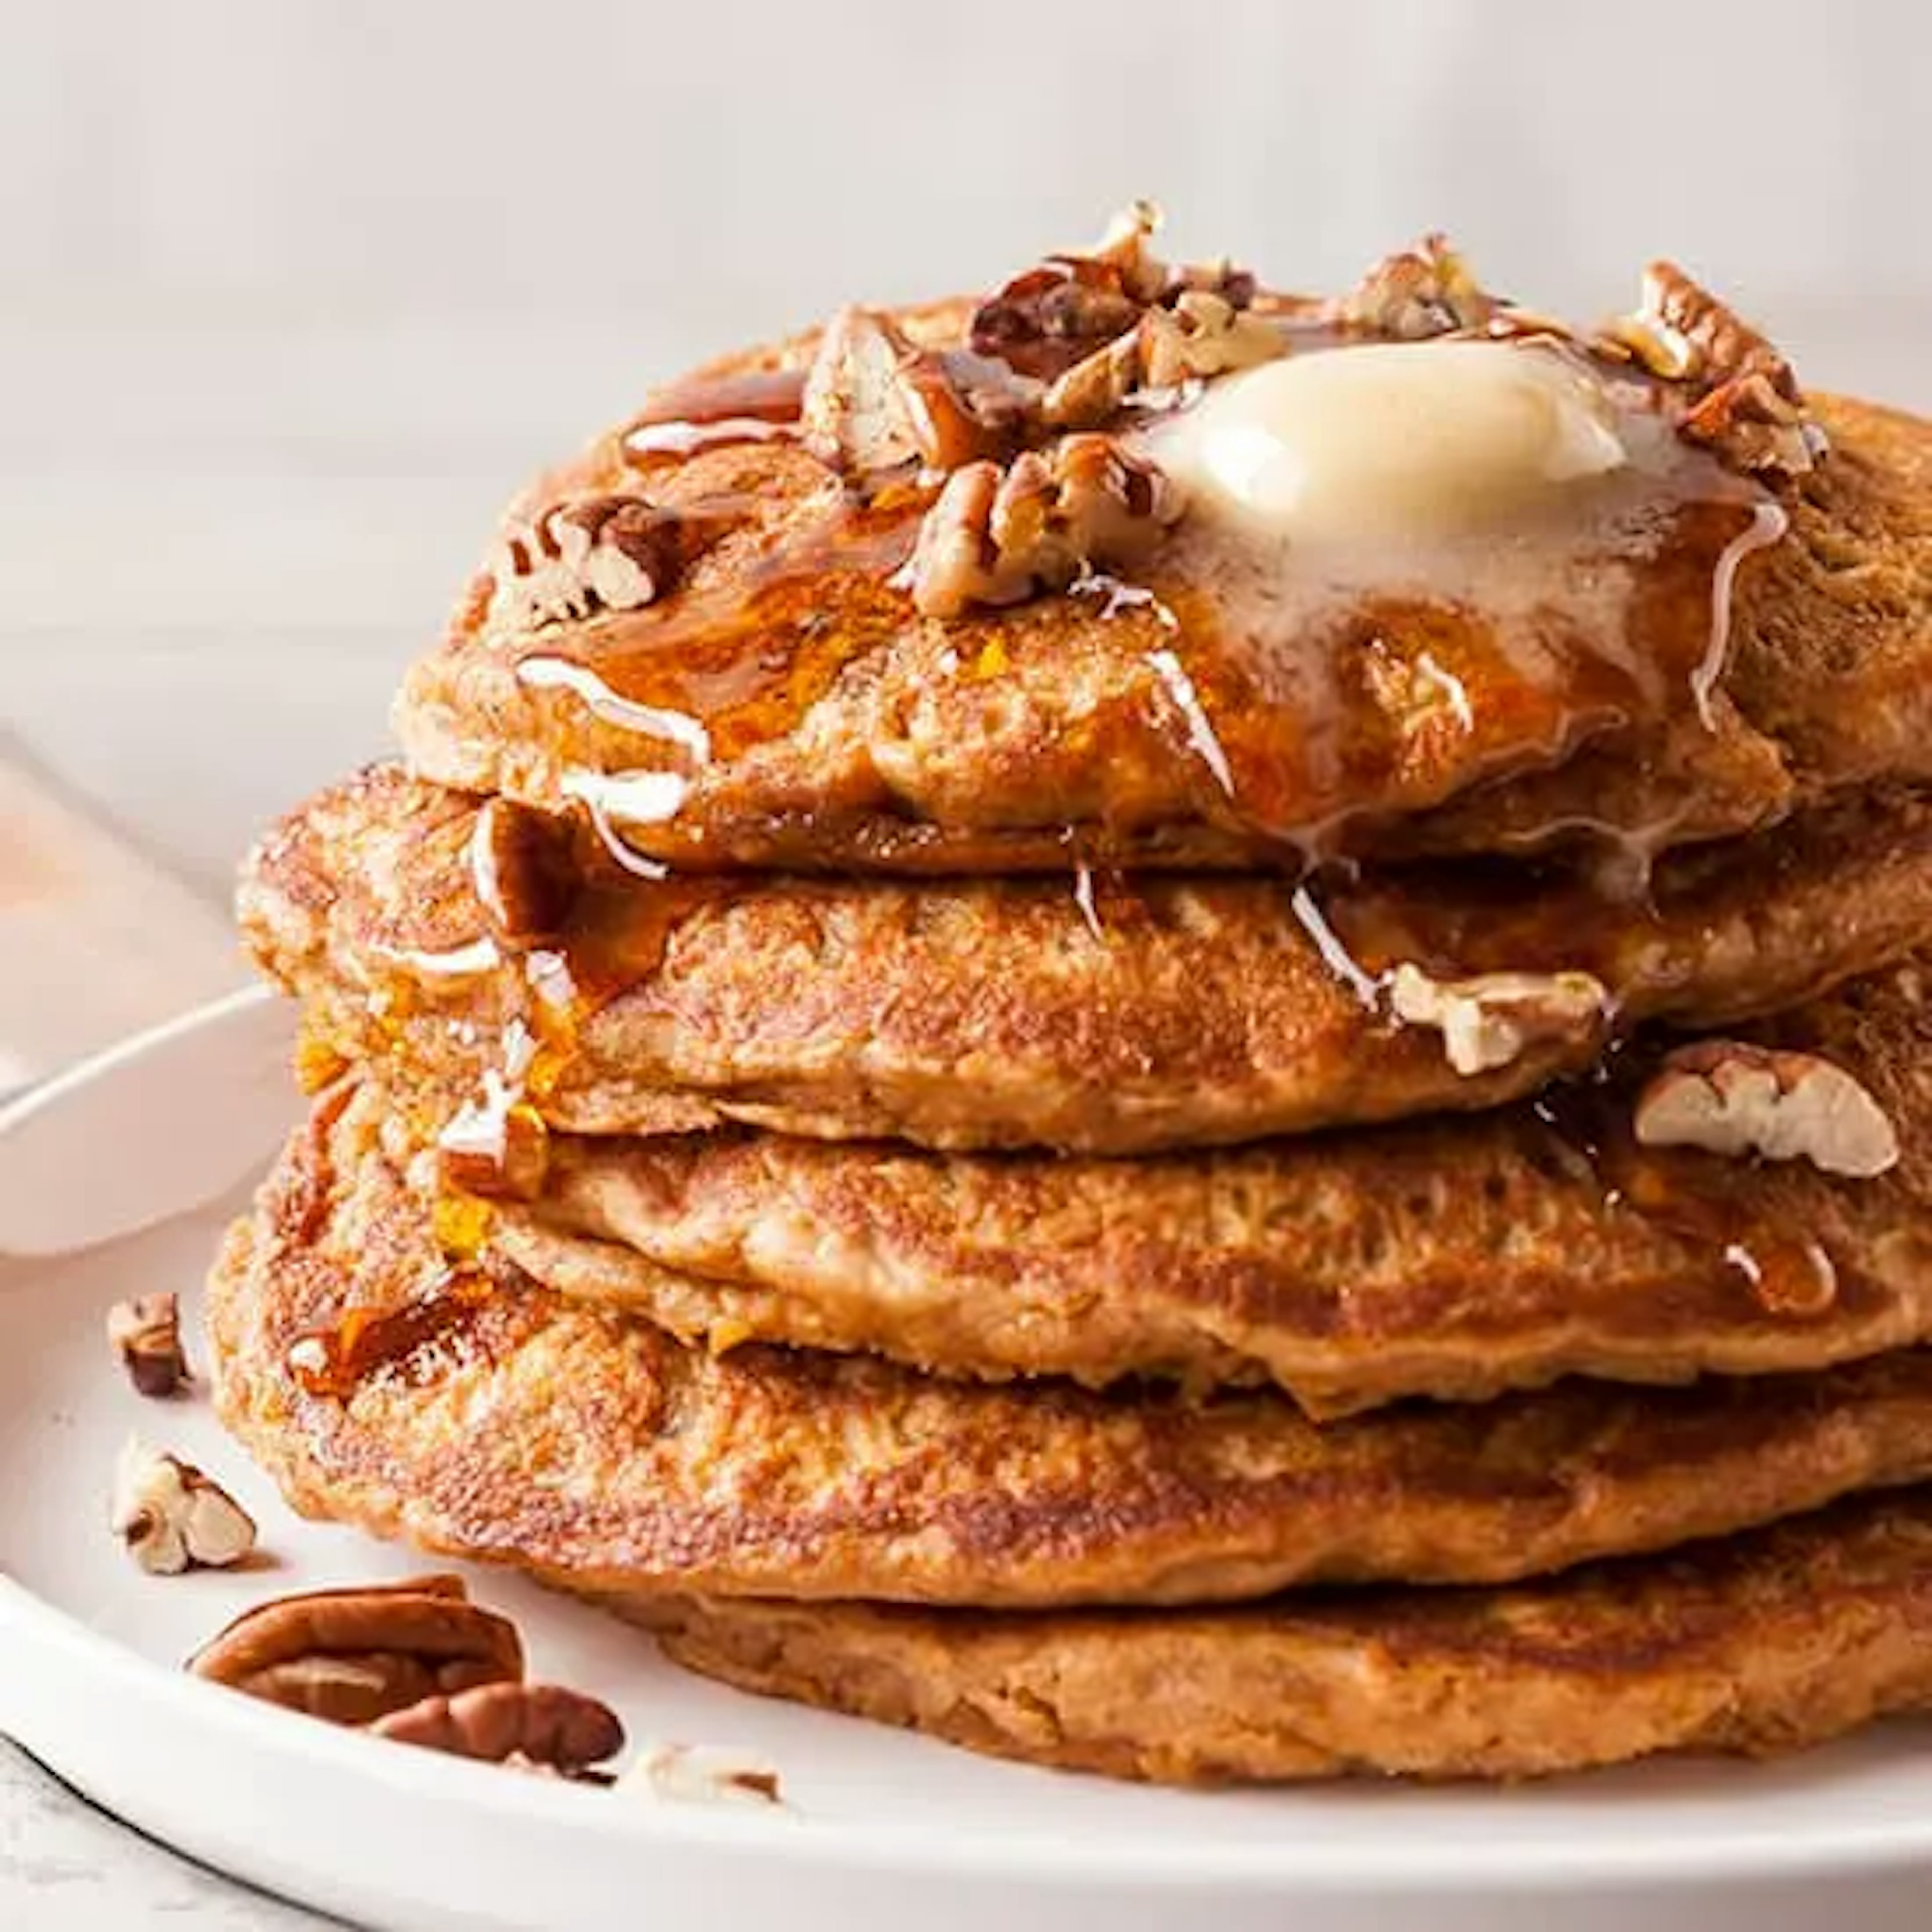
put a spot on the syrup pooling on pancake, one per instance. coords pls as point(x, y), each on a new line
point(415, 1341)
point(1589, 1123)
point(1408, 566)
point(761, 407)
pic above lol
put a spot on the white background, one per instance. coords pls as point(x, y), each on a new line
point(290, 294)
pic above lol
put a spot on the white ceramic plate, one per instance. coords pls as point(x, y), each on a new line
point(888, 1829)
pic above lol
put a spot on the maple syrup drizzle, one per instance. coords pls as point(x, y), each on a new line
point(752, 406)
point(413, 1342)
point(1790, 1275)
point(676, 727)
point(1313, 920)
point(1769, 524)
point(638, 798)
point(1083, 898)
point(686, 438)
point(1202, 738)
point(478, 955)
point(822, 599)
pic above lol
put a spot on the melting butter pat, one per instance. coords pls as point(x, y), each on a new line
point(1392, 439)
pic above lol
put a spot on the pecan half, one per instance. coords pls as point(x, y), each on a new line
point(584, 555)
point(1732, 1099)
point(997, 538)
point(145, 1334)
point(542, 1724)
point(874, 400)
point(352, 1655)
point(1492, 1018)
point(172, 1517)
point(1424, 291)
point(1681, 332)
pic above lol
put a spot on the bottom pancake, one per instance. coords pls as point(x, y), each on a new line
point(1761, 1644)
point(473, 1413)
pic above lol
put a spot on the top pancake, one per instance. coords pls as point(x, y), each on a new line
point(1159, 720)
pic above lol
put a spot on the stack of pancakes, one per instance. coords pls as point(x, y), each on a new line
point(1001, 1081)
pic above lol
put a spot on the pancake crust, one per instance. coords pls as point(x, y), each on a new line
point(888, 746)
point(991, 1013)
point(599, 1453)
point(1450, 1259)
point(1763, 1644)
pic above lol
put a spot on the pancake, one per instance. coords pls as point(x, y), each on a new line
point(1450, 1259)
point(1763, 1644)
point(471, 1413)
point(991, 1013)
point(839, 728)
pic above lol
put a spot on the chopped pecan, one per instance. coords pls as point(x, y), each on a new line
point(1424, 291)
point(1054, 315)
point(1235, 286)
point(584, 555)
point(1490, 1019)
point(1044, 321)
point(999, 538)
point(1203, 334)
point(1753, 426)
point(172, 1517)
point(700, 1774)
point(1747, 405)
point(1084, 396)
point(519, 864)
point(355, 1655)
point(875, 400)
point(1732, 1099)
point(145, 1333)
point(1124, 249)
point(1681, 332)
point(1075, 305)
point(541, 1723)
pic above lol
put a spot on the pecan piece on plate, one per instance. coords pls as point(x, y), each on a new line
point(352, 1655)
point(145, 1333)
point(540, 1724)
point(172, 1517)
point(673, 1773)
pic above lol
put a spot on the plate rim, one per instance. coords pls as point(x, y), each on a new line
point(1618, 1859)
